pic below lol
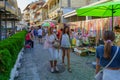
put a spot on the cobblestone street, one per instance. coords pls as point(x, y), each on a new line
point(35, 66)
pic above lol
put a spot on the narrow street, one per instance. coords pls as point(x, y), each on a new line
point(35, 66)
point(80, 24)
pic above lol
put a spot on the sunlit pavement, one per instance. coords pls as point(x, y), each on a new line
point(35, 66)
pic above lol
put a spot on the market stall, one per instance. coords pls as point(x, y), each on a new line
point(90, 34)
point(117, 35)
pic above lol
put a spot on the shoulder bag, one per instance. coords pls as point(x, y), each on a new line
point(56, 43)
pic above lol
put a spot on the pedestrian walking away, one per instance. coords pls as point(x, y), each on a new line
point(40, 32)
point(29, 39)
point(35, 33)
point(105, 57)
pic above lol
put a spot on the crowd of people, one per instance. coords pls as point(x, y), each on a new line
point(50, 35)
point(104, 53)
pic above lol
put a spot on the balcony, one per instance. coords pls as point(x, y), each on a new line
point(26, 12)
point(26, 18)
point(55, 7)
point(38, 18)
point(9, 7)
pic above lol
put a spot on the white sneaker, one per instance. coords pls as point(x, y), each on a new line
point(56, 68)
point(52, 70)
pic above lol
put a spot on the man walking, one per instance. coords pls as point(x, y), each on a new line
point(40, 32)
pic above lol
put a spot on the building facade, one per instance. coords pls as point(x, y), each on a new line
point(57, 8)
point(26, 15)
point(33, 13)
point(72, 16)
point(8, 17)
point(60, 10)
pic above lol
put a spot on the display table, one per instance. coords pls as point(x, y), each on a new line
point(84, 51)
point(81, 51)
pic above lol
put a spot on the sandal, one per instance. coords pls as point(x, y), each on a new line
point(69, 70)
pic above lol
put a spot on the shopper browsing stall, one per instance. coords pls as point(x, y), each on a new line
point(108, 56)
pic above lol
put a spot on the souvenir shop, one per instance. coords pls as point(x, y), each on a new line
point(87, 35)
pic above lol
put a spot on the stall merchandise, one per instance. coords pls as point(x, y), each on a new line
point(117, 39)
point(84, 51)
point(92, 41)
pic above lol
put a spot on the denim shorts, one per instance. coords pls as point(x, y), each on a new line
point(111, 74)
point(39, 36)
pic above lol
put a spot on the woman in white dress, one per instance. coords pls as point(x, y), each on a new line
point(51, 37)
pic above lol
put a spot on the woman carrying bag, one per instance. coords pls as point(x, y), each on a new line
point(108, 57)
point(51, 38)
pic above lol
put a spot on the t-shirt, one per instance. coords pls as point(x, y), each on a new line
point(28, 36)
point(59, 33)
point(35, 32)
point(40, 32)
point(103, 61)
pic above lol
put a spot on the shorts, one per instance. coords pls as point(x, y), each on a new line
point(111, 74)
point(65, 47)
point(39, 36)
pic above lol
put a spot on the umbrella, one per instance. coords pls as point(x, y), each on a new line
point(52, 24)
point(46, 24)
point(108, 9)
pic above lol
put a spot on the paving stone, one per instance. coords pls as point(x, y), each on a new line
point(35, 66)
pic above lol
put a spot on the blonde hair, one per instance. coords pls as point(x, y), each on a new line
point(49, 31)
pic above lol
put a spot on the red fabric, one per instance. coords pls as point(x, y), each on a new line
point(59, 34)
point(28, 36)
point(28, 46)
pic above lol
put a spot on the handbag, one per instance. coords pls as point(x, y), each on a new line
point(99, 75)
point(56, 43)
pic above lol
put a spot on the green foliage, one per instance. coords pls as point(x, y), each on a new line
point(9, 49)
point(4, 76)
point(5, 61)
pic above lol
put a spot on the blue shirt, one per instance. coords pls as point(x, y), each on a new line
point(103, 61)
